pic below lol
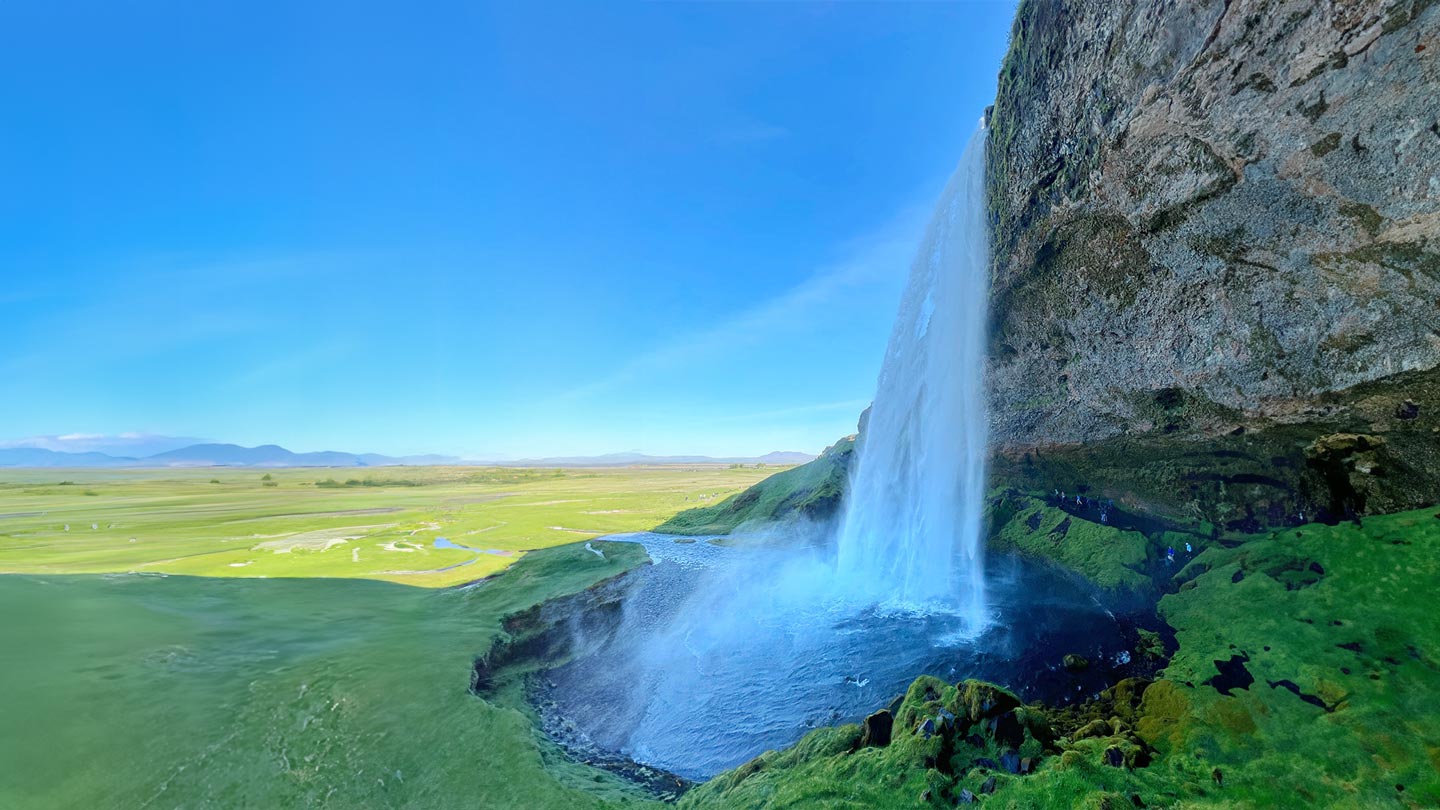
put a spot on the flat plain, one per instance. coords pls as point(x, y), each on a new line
point(371, 523)
point(278, 673)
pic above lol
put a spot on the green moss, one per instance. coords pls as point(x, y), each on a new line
point(1342, 711)
point(1110, 558)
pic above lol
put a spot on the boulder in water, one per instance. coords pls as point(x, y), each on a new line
point(1076, 663)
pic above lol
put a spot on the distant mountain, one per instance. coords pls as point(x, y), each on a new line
point(273, 455)
point(39, 457)
point(427, 460)
point(233, 455)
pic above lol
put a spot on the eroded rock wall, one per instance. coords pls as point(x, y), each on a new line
point(1210, 213)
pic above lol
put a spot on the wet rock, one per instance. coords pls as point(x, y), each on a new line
point(1027, 765)
point(1407, 410)
point(925, 796)
point(989, 786)
point(875, 731)
point(1114, 757)
point(975, 740)
point(1010, 761)
point(1076, 663)
point(1145, 199)
point(1007, 730)
point(980, 701)
point(926, 728)
point(966, 797)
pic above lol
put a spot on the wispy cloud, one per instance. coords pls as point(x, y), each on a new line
point(855, 405)
point(885, 253)
point(752, 132)
point(130, 443)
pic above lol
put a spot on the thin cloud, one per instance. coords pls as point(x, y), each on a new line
point(752, 132)
point(886, 253)
point(855, 405)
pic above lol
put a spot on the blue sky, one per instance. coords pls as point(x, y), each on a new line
point(520, 229)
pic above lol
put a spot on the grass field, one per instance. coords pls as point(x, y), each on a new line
point(135, 691)
point(375, 523)
point(312, 686)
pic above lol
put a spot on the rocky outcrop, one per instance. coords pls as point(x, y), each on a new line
point(1221, 210)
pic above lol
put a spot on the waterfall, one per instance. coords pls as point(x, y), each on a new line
point(911, 531)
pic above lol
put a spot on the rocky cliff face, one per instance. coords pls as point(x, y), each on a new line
point(1217, 216)
point(1230, 207)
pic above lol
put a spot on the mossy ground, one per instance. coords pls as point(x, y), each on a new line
point(1333, 702)
point(1110, 557)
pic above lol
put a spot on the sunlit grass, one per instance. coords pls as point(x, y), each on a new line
point(310, 523)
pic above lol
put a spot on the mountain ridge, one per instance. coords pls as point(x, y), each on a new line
point(218, 454)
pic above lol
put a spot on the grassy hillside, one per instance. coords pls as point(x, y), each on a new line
point(812, 490)
point(352, 523)
point(130, 691)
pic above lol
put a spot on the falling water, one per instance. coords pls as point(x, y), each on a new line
point(910, 534)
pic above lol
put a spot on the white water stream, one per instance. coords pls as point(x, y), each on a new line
point(910, 534)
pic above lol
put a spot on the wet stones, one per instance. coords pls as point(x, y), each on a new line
point(876, 730)
point(1007, 730)
point(1075, 663)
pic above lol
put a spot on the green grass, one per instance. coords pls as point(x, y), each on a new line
point(147, 691)
point(811, 490)
point(1343, 613)
point(310, 523)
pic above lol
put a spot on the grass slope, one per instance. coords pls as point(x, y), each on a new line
point(375, 524)
point(811, 490)
point(144, 691)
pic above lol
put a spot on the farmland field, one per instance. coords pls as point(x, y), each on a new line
point(372, 523)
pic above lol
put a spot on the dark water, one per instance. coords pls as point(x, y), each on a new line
point(723, 654)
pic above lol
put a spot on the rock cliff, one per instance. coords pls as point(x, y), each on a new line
point(1214, 216)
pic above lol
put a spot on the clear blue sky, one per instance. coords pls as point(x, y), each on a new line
point(524, 229)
